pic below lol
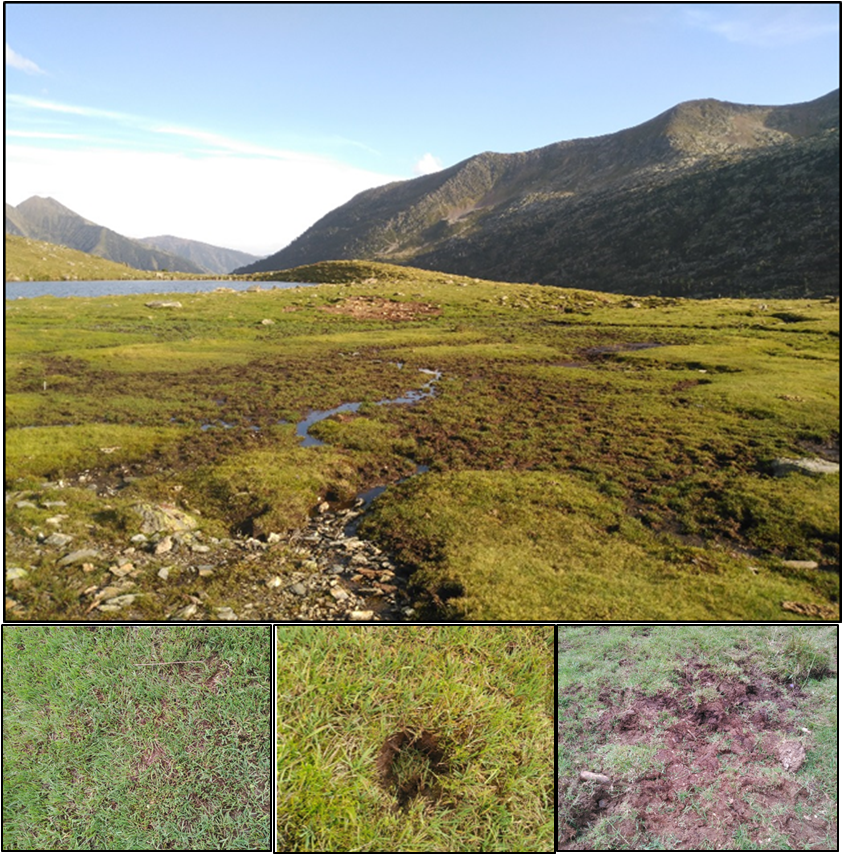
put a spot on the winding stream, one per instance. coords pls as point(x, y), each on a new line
point(427, 390)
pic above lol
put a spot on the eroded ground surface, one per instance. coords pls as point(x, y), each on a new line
point(724, 757)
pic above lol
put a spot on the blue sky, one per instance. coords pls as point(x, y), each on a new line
point(242, 124)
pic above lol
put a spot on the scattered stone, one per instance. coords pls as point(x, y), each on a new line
point(121, 601)
point(15, 573)
point(163, 304)
point(58, 539)
point(339, 593)
point(167, 518)
point(187, 612)
point(806, 465)
point(361, 615)
point(164, 573)
point(323, 507)
point(205, 570)
point(801, 565)
point(56, 504)
point(77, 556)
point(163, 545)
point(298, 589)
point(122, 569)
point(226, 613)
point(275, 582)
point(24, 504)
point(267, 322)
point(138, 538)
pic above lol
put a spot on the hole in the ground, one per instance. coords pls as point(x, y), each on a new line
point(411, 762)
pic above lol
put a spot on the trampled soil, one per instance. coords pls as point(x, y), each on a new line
point(724, 769)
point(378, 308)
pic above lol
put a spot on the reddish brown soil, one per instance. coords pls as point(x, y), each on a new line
point(377, 308)
point(716, 773)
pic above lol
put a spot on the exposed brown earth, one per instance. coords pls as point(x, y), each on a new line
point(721, 766)
point(377, 308)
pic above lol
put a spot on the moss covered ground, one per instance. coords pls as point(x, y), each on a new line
point(588, 456)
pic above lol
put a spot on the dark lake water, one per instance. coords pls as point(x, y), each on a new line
point(108, 288)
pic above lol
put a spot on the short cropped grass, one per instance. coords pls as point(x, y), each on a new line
point(482, 695)
point(120, 738)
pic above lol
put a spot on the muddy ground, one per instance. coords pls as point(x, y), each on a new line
point(723, 776)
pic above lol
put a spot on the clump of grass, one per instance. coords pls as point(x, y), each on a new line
point(803, 659)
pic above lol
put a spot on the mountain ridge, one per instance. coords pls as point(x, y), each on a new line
point(450, 219)
point(212, 259)
point(46, 219)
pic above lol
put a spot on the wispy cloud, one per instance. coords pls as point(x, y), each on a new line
point(172, 179)
point(427, 164)
point(26, 102)
point(758, 29)
point(21, 63)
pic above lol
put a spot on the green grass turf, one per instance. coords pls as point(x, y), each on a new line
point(109, 746)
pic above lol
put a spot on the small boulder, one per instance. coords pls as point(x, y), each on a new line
point(806, 465)
point(155, 518)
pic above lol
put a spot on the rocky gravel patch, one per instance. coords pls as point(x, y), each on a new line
point(320, 572)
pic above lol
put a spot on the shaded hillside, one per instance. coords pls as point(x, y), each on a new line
point(29, 260)
point(762, 224)
point(15, 224)
point(212, 259)
point(707, 197)
point(48, 220)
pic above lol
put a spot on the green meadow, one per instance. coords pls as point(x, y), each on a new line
point(587, 456)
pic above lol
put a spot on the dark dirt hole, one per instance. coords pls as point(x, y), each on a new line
point(410, 763)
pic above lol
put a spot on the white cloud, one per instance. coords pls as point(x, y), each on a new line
point(254, 203)
point(21, 63)
point(427, 164)
point(143, 177)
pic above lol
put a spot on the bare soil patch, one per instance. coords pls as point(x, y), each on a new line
point(378, 308)
point(723, 769)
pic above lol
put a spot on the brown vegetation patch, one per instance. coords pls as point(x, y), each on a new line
point(721, 772)
point(408, 764)
point(377, 308)
point(155, 755)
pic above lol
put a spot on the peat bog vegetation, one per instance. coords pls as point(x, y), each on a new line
point(587, 455)
point(415, 738)
point(706, 738)
point(120, 738)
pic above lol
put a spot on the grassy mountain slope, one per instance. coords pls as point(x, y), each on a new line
point(212, 259)
point(29, 260)
point(48, 220)
point(592, 212)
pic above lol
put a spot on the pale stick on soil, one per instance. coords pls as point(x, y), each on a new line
point(594, 776)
